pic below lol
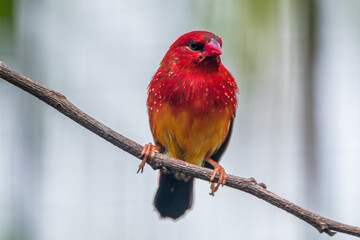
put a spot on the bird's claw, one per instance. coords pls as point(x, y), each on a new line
point(148, 150)
point(222, 177)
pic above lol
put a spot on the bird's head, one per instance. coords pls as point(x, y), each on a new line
point(191, 73)
point(197, 49)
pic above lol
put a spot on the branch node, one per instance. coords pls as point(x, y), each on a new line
point(165, 171)
point(324, 228)
point(262, 185)
point(330, 233)
point(57, 94)
point(251, 180)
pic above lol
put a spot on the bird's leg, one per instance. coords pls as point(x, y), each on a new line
point(222, 178)
point(148, 150)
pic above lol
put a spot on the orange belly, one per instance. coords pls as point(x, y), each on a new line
point(189, 136)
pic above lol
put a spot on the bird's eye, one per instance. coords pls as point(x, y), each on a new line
point(195, 46)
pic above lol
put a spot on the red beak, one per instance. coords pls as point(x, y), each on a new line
point(212, 49)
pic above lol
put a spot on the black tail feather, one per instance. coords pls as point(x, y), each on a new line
point(173, 196)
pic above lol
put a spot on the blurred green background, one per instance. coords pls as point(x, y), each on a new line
point(297, 127)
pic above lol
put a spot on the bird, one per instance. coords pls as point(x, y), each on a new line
point(192, 100)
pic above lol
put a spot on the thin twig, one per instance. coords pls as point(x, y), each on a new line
point(165, 163)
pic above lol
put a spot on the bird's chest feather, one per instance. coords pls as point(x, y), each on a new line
point(190, 113)
point(187, 134)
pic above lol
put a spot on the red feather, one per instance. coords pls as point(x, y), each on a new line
point(182, 81)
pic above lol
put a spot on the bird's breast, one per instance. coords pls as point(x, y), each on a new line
point(188, 134)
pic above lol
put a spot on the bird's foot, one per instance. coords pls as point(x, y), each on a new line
point(222, 177)
point(147, 152)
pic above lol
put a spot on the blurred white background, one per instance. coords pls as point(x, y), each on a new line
point(297, 127)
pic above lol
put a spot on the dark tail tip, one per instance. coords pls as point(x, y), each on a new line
point(173, 196)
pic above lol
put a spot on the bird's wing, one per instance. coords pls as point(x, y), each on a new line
point(216, 156)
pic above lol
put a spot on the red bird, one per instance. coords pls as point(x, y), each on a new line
point(191, 104)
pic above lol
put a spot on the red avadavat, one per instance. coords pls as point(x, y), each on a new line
point(191, 104)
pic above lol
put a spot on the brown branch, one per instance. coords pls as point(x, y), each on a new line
point(165, 163)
